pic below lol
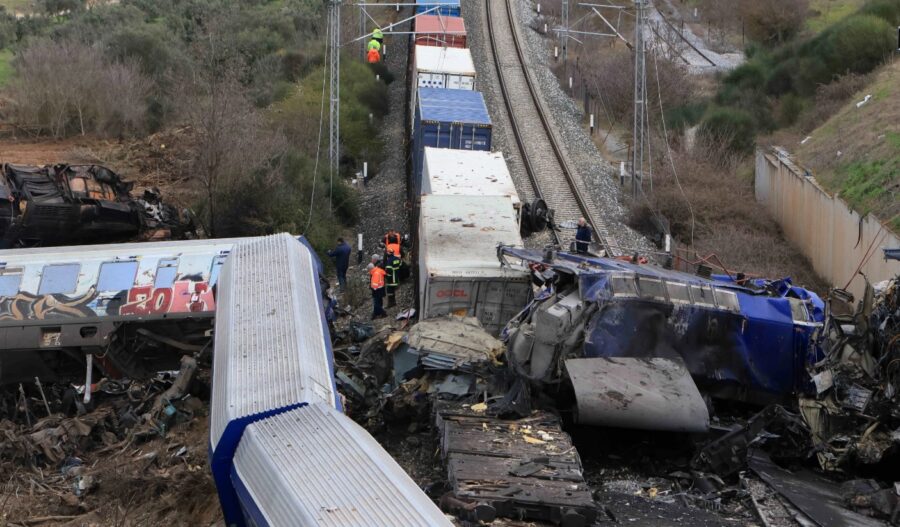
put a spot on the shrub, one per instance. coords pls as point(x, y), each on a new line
point(70, 87)
point(860, 43)
point(773, 21)
point(789, 109)
point(732, 126)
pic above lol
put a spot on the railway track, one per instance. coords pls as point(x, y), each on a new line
point(552, 177)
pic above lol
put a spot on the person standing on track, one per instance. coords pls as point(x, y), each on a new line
point(376, 283)
point(583, 237)
point(341, 255)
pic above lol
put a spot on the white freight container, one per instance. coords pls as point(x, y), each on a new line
point(459, 272)
point(449, 172)
point(435, 67)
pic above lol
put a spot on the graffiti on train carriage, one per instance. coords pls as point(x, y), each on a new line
point(185, 296)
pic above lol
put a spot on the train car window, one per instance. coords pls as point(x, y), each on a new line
point(652, 288)
point(9, 283)
point(59, 278)
point(703, 295)
point(727, 300)
point(117, 276)
point(623, 285)
point(166, 273)
point(216, 266)
point(678, 292)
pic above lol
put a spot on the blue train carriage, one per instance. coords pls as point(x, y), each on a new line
point(438, 7)
point(282, 452)
point(58, 305)
point(456, 119)
point(645, 342)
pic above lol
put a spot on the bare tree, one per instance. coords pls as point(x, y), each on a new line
point(65, 87)
point(235, 142)
point(773, 21)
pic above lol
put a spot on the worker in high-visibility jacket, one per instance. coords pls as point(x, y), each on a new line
point(376, 283)
point(392, 242)
point(373, 44)
point(373, 56)
point(392, 268)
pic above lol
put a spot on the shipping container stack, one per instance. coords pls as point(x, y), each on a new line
point(464, 199)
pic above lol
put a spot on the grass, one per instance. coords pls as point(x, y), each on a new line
point(20, 6)
point(825, 13)
point(6, 70)
point(857, 151)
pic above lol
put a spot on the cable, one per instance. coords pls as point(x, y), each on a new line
point(669, 150)
point(312, 195)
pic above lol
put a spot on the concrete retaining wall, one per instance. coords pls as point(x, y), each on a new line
point(829, 233)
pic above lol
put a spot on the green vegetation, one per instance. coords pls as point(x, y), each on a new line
point(857, 151)
point(6, 70)
point(776, 86)
point(244, 76)
point(826, 13)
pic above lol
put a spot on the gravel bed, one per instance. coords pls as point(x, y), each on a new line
point(598, 175)
point(383, 201)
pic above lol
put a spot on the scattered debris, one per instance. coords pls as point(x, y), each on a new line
point(72, 204)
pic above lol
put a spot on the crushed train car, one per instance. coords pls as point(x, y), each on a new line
point(65, 204)
point(642, 347)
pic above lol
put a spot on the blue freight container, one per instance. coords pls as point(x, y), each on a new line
point(446, 7)
point(446, 118)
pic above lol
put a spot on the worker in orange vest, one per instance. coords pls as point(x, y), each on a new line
point(373, 56)
point(376, 283)
point(392, 243)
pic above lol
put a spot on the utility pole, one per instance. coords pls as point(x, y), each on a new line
point(334, 97)
point(566, 28)
point(640, 101)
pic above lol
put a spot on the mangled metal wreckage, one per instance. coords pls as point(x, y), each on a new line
point(65, 204)
point(639, 346)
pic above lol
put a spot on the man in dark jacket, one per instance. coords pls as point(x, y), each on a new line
point(582, 237)
point(341, 255)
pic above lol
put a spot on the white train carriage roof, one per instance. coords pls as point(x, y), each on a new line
point(314, 466)
point(272, 349)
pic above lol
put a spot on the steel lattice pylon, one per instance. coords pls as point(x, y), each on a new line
point(334, 94)
point(640, 101)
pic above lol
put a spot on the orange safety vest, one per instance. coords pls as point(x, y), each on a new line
point(392, 243)
point(377, 274)
point(373, 56)
point(393, 248)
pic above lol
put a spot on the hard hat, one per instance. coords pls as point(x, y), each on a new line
point(377, 33)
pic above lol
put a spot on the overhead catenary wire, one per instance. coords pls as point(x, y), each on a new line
point(312, 194)
point(669, 149)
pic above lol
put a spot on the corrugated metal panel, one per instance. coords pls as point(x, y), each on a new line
point(433, 59)
point(458, 235)
point(453, 106)
point(434, 30)
point(446, 7)
point(271, 348)
point(461, 173)
point(315, 466)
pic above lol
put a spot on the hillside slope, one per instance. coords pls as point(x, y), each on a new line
point(856, 153)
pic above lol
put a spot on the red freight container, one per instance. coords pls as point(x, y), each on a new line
point(433, 30)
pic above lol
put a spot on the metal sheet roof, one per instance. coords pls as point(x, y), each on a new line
point(467, 172)
point(451, 25)
point(454, 106)
point(314, 466)
point(458, 235)
point(454, 61)
point(272, 349)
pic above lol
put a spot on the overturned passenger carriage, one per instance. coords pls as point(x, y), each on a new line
point(135, 308)
point(639, 346)
point(66, 204)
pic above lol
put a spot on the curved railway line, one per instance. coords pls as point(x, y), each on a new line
point(551, 175)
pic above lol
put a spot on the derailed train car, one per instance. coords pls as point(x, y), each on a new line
point(640, 346)
point(66, 204)
point(135, 307)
